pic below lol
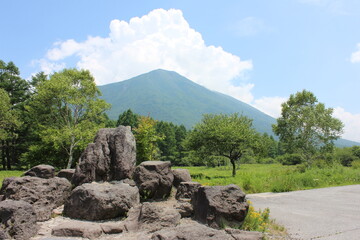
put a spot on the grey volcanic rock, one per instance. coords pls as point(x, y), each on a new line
point(100, 201)
point(151, 217)
point(184, 207)
point(78, 229)
point(191, 232)
point(41, 171)
point(44, 194)
point(154, 179)
point(187, 190)
point(181, 175)
point(220, 205)
point(244, 235)
point(111, 157)
point(18, 220)
point(66, 173)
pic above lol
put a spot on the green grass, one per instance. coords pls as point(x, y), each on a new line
point(256, 178)
point(6, 174)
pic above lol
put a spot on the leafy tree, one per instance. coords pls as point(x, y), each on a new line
point(306, 126)
point(18, 92)
point(146, 140)
point(223, 135)
point(67, 110)
point(167, 144)
point(128, 118)
point(8, 117)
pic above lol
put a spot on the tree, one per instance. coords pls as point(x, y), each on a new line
point(68, 110)
point(128, 118)
point(18, 92)
point(223, 135)
point(146, 140)
point(8, 117)
point(306, 126)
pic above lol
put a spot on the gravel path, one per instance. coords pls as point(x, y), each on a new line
point(324, 214)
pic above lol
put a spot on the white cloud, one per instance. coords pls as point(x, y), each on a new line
point(270, 105)
point(351, 122)
point(355, 56)
point(160, 39)
point(250, 26)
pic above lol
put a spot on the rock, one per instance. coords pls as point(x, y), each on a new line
point(154, 179)
point(100, 201)
point(181, 175)
point(244, 235)
point(44, 194)
point(220, 206)
point(185, 208)
point(190, 232)
point(112, 227)
point(41, 171)
point(78, 229)
point(151, 217)
point(18, 220)
point(66, 173)
point(187, 190)
point(111, 157)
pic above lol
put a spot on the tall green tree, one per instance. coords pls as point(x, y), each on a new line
point(68, 110)
point(146, 140)
point(18, 92)
point(306, 126)
point(223, 135)
point(128, 118)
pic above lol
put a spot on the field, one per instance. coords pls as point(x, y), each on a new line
point(256, 178)
point(6, 174)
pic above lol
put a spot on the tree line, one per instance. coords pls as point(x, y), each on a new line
point(51, 118)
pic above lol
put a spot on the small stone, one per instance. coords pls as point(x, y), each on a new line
point(41, 171)
point(78, 229)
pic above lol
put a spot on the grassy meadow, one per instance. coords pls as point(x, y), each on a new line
point(257, 178)
point(6, 174)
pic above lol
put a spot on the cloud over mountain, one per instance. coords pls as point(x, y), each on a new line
point(160, 39)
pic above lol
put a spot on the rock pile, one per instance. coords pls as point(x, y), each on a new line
point(108, 187)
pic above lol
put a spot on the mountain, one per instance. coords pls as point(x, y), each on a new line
point(168, 96)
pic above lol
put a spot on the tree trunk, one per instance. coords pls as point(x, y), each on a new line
point(3, 157)
point(8, 158)
point(234, 167)
point(71, 152)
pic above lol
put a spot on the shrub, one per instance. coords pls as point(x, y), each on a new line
point(256, 220)
point(355, 164)
point(290, 159)
point(346, 157)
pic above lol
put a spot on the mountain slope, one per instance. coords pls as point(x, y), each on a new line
point(168, 96)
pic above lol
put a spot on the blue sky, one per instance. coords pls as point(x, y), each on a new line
point(257, 51)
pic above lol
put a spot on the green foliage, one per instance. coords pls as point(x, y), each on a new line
point(256, 220)
point(66, 111)
point(290, 159)
point(146, 140)
point(8, 116)
point(306, 126)
point(128, 118)
point(346, 156)
point(223, 135)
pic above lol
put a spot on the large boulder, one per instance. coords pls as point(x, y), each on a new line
point(220, 206)
point(186, 190)
point(154, 179)
point(18, 220)
point(111, 157)
point(66, 173)
point(100, 201)
point(44, 194)
point(181, 175)
point(151, 217)
point(41, 171)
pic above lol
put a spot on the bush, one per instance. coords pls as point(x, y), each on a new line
point(355, 164)
point(256, 220)
point(346, 157)
point(290, 159)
